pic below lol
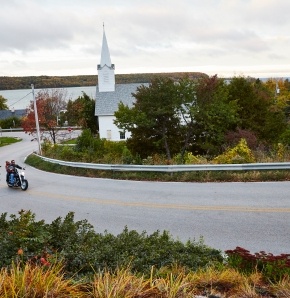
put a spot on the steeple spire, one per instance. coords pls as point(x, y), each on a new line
point(106, 70)
point(105, 55)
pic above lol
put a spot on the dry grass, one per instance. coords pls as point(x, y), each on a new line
point(282, 288)
point(41, 282)
point(122, 283)
point(174, 286)
point(224, 283)
point(35, 282)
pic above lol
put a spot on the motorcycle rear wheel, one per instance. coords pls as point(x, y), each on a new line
point(24, 184)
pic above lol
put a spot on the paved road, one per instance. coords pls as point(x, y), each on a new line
point(255, 216)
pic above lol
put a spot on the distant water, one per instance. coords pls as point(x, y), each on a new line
point(20, 99)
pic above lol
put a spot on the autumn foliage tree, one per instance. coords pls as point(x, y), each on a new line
point(49, 105)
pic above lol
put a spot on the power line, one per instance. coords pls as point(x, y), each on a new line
point(19, 99)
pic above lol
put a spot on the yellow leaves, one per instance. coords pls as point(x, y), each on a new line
point(194, 159)
point(237, 155)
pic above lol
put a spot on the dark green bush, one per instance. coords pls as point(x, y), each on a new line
point(23, 234)
point(85, 252)
point(10, 122)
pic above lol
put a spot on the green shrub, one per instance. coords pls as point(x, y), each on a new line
point(68, 153)
point(102, 150)
point(127, 157)
point(285, 137)
point(21, 237)
point(85, 252)
point(10, 122)
point(74, 242)
point(87, 142)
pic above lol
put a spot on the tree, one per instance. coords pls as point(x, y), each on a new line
point(178, 116)
point(258, 111)
point(213, 115)
point(3, 105)
point(153, 120)
point(49, 105)
point(281, 98)
point(186, 109)
point(81, 112)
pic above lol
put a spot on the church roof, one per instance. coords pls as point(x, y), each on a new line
point(107, 102)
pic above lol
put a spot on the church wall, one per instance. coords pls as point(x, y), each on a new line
point(108, 130)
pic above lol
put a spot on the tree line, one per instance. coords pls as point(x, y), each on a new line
point(40, 82)
point(204, 116)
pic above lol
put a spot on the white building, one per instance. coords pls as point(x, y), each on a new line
point(109, 95)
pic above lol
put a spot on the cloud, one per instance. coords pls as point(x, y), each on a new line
point(57, 37)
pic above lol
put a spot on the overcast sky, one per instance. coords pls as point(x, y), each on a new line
point(223, 37)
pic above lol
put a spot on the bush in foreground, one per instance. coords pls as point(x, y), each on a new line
point(84, 252)
point(68, 259)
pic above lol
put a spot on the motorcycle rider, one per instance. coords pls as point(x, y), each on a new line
point(11, 169)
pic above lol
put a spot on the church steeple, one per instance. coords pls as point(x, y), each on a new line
point(106, 70)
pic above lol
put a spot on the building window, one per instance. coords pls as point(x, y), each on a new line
point(122, 135)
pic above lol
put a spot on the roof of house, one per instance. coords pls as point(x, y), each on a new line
point(107, 102)
point(4, 114)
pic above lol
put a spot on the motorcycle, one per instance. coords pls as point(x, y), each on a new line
point(19, 180)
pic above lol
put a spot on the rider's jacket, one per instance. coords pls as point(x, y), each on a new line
point(11, 168)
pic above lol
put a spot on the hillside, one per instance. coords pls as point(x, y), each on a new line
point(12, 83)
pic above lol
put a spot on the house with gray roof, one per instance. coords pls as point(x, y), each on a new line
point(4, 114)
point(109, 95)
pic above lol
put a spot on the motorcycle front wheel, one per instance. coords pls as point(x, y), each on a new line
point(24, 184)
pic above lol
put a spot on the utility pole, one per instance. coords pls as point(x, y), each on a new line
point(36, 120)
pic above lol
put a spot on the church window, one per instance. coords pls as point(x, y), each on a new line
point(122, 135)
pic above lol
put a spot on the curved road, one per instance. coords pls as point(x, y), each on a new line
point(255, 216)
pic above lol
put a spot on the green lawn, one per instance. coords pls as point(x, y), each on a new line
point(8, 140)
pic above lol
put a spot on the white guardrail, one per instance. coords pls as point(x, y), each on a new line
point(173, 168)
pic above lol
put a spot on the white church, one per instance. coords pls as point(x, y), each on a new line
point(109, 95)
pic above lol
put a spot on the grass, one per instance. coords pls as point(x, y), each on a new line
point(36, 281)
point(4, 141)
